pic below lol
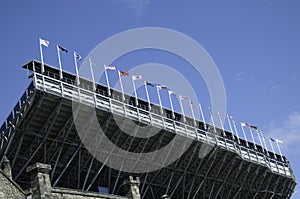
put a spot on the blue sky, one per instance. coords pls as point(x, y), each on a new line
point(255, 45)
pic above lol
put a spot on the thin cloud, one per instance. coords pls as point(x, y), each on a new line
point(240, 76)
point(138, 6)
point(271, 86)
point(287, 131)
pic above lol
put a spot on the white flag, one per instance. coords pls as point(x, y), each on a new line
point(279, 141)
point(183, 97)
point(109, 67)
point(44, 42)
point(137, 77)
point(171, 92)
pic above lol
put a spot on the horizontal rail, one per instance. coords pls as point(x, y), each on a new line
point(102, 102)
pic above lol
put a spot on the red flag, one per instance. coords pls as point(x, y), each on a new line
point(124, 73)
point(245, 124)
point(162, 88)
point(253, 127)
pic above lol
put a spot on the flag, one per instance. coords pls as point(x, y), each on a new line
point(149, 84)
point(192, 103)
point(183, 97)
point(109, 67)
point(44, 42)
point(137, 77)
point(230, 117)
point(273, 140)
point(279, 141)
point(245, 124)
point(253, 127)
point(77, 56)
point(124, 73)
point(171, 92)
point(92, 63)
point(62, 49)
point(162, 87)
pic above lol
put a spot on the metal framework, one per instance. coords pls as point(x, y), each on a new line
point(41, 129)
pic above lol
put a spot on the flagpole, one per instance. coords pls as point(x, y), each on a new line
point(202, 115)
point(59, 61)
point(272, 146)
point(135, 93)
point(212, 120)
point(252, 138)
point(121, 84)
point(236, 132)
point(245, 135)
point(169, 94)
point(94, 83)
point(258, 135)
point(76, 67)
point(180, 103)
point(42, 57)
point(229, 123)
point(279, 149)
point(107, 81)
point(222, 126)
point(193, 114)
point(265, 144)
point(159, 99)
point(147, 93)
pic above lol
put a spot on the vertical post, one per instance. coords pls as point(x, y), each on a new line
point(107, 81)
point(44, 43)
point(236, 132)
point(182, 110)
point(252, 137)
point(244, 135)
point(277, 143)
point(222, 126)
point(92, 73)
point(76, 67)
point(121, 85)
point(159, 99)
point(272, 146)
point(202, 115)
point(169, 94)
point(192, 109)
point(229, 123)
point(212, 119)
point(59, 62)
point(135, 93)
point(259, 138)
point(265, 144)
point(148, 98)
point(42, 57)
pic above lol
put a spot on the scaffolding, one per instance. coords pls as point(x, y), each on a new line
point(41, 128)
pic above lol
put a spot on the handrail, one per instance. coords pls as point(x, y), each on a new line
point(68, 90)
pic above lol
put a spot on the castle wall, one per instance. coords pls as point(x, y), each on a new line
point(9, 189)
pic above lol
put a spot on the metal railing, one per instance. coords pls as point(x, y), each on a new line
point(100, 101)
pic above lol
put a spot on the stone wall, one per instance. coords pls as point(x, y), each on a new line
point(62, 193)
point(9, 189)
point(41, 186)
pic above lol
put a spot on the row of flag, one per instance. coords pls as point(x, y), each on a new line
point(159, 87)
point(259, 132)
